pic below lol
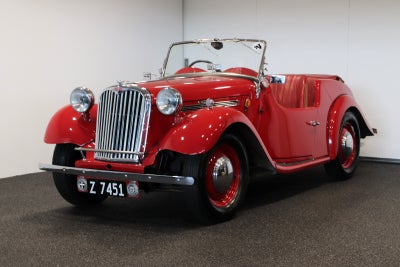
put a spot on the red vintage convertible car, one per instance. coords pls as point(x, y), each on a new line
point(210, 123)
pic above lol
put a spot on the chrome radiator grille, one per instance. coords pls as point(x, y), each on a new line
point(122, 121)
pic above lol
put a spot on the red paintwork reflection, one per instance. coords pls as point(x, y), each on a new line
point(69, 126)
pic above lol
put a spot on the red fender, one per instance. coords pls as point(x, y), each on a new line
point(336, 113)
point(200, 131)
point(69, 126)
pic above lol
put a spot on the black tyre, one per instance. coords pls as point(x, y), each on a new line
point(65, 155)
point(346, 161)
point(221, 181)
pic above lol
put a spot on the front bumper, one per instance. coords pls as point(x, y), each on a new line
point(121, 176)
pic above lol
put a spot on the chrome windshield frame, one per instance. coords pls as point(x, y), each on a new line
point(200, 41)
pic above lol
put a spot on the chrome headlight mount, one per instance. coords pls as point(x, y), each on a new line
point(169, 101)
point(82, 99)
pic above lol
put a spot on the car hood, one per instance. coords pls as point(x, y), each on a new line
point(202, 87)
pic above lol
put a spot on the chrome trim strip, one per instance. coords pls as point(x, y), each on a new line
point(121, 176)
point(226, 103)
point(202, 104)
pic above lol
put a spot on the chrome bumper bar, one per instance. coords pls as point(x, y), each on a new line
point(121, 176)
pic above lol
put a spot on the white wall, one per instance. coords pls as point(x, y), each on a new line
point(50, 47)
point(356, 39)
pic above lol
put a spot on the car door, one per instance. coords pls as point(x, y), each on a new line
point(292, 120)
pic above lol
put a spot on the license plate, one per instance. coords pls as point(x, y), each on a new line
point(107, 188)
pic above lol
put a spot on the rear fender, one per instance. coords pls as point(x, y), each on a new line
point(70, 126)
point(200, 130)
point(340, 106)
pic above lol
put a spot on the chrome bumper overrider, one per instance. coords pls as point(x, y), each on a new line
point(122, 176)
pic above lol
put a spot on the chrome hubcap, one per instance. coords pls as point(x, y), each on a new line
point(222, 174)
point(347, 144)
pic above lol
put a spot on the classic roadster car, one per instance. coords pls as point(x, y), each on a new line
point(211, 122)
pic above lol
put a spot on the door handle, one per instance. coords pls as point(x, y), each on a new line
point(313, 123)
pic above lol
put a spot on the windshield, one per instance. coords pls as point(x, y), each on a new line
point(238, 56)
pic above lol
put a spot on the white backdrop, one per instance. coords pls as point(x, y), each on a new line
point(356, 39)
point(50, 47)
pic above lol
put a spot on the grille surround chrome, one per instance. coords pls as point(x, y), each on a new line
point(122, 124)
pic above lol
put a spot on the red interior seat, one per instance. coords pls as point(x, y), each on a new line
point(189, 70)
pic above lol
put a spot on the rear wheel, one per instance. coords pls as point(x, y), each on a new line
point(66, 184)
point(346, 161)
point(221, 180)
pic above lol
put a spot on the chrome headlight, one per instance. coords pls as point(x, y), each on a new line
point(82, 99)
point(168, 101)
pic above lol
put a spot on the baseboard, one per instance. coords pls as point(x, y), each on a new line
point(380, 160)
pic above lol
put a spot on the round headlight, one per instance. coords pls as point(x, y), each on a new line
point(168, 101)
point(82, 99)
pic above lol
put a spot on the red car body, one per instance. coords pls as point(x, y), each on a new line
point(236, 121)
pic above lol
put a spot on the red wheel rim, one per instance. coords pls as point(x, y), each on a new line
point(223, 176)
point(348, 146)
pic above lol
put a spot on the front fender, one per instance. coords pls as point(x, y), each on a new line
point(200, 130)
point(69, 126)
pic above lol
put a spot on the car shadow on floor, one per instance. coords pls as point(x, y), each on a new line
point(271, 189)
point(161, 209)
point(158, 210)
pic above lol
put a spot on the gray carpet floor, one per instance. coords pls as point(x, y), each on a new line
point(299, 219)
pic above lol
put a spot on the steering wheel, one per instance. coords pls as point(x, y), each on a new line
point(200, 61)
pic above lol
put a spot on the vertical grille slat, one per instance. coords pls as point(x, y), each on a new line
point(136, 125)
point(122, 122)
point(128, 111)
point(130, 128)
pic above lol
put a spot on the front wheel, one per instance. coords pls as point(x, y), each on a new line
point(221, 180)
point(346, 161)
point(66, 184)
